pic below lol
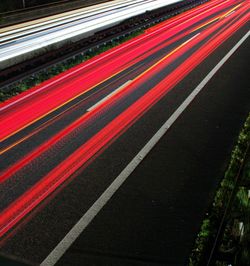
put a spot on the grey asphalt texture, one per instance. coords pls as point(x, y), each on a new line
point(154, 217)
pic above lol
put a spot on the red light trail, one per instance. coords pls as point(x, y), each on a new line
point(93, 72)
point(24, 109)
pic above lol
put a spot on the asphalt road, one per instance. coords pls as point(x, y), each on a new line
point(154, 217)
point(161, 205)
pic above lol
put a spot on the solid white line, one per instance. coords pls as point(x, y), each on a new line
point(109, 95)
point(193, 37)
point(229, 14)
point(86, 219)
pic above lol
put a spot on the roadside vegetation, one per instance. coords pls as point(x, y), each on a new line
point(45, 74)
point(224, 237)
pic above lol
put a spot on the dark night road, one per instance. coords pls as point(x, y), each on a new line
point(56, 167)
point(155, 216)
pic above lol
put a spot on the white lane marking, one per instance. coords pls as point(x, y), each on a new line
point(109, 95)
point(229, 14)
point(87, 218)
point(193, 37)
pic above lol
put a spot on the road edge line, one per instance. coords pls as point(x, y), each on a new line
point(87, 218)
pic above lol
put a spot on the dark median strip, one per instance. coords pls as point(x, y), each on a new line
point(52, 71)
point(225, 232)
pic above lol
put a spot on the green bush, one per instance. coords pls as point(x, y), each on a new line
point(46, 74)
point(241, 202)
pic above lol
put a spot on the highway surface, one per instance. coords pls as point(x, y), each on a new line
point(30, 38)
point(53, 134)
